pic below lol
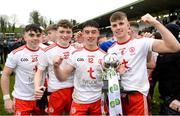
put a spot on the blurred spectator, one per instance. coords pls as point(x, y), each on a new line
point(167, 72)
point(101, 38)
point(1, 53)
point(5, 48)
point(19, 42)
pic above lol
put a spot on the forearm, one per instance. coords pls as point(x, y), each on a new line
point(38, 79)
point(59, 74)
point(5, 84)
point(169, 39)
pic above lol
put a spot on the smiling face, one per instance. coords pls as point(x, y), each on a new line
point(32, 39)
point(119, 25)
point(90, 35)
point(64, 35)
point(120, 28)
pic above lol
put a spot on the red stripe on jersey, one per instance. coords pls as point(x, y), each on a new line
point(91, 50)
point(120, 43)
point(77, 50)
point(32, 49)
point(64, 47)
point(18, 49)
point(50, 47)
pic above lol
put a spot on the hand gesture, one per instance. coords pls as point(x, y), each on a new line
point(78, 37)
point(121, 69)
point(175, 105)
point(149, 19)
point(9, 106)
point(39, 92)
point(57, 61)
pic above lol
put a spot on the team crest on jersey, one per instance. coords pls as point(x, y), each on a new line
point(66, 55)
point(80, 59)
point(132, 50)
point(34, 58)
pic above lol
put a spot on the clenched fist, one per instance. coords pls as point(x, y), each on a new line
point(57, 61)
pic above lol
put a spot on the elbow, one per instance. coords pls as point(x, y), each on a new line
point(60, 79)
point(175, 49)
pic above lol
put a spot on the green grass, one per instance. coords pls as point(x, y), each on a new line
point(155, 100)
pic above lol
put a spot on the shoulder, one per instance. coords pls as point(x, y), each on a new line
point(102, 51)
point(50, 47)
point(77, 51)
point(18, 49)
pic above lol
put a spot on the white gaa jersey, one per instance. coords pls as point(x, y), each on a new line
point(24, 61)
point(87, 75)
point(46, 61)
point(133, 54)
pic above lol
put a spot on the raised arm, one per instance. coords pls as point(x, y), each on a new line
point(168, 42)
point(62, 73)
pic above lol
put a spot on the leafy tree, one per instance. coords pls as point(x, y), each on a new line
point(43, 22)
point(34, 17)
point(3, 23)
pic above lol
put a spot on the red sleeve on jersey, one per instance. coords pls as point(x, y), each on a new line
point(18, 49)
point(50, 47)
point(77, 50)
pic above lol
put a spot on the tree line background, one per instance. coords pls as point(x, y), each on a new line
point(8, 24)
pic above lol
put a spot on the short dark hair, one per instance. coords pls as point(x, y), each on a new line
point(90, 23)
point(65, 23)
point(117, 16)
point(33, 27)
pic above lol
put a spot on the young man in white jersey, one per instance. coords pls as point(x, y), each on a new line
point(23, 61)
point(133, 58)
point(51, 34)
point(61, 92)
point(85, 65)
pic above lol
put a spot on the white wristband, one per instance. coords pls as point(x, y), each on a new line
point(6, 97)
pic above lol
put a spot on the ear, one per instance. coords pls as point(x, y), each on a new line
point(25, 36)
point(128, 24)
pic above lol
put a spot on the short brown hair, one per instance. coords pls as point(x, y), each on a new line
point(117, 16)
point(51, 27)
point(65, 23)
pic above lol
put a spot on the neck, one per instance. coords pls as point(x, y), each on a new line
point(123, 39)
point(63, 44)
point(32, 48)
point(91, 47)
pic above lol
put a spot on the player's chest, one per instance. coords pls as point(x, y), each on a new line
point(28, 61)
point(89, 60)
